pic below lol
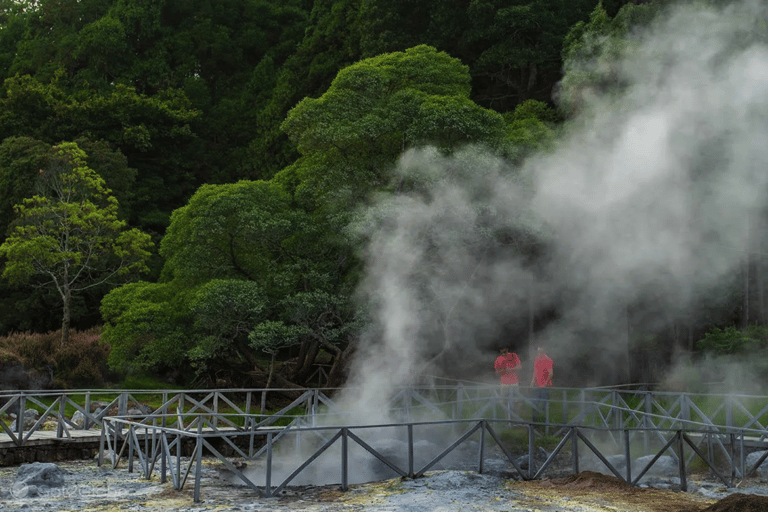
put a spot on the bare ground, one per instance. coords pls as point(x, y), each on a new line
point(90, 488)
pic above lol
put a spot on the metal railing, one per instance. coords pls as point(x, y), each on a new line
point(153, 445)
point(615, 408)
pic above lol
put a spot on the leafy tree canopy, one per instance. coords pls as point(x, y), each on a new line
point(69, 234)
point(376, 109)
point(151, 132)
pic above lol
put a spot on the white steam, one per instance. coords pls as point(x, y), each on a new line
point(646, 199)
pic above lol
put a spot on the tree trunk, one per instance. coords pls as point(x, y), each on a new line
point(65, 318)
point(304, 367)
point(338, 371)
point(271, 370)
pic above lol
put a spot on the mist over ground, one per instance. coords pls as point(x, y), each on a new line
point(645, 200)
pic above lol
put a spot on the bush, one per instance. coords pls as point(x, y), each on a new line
point(80, 363)
point(734, 341)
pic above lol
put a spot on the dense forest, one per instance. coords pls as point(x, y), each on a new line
point(218, 172)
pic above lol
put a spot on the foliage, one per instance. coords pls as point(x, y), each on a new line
point(147, 325)
point(731, 340)
point(152, 133)
point(373, 111)
point(592, 51)
point(82, 362)
point(70, 235)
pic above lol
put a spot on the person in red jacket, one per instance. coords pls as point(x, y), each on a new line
point(507, 366)
point(541, 380)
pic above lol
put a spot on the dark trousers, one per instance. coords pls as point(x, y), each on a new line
point(540, 399)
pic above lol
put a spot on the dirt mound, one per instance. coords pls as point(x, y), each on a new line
point(590, 480)
point(740, 503)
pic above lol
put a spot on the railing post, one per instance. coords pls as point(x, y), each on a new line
point(681, 461)
point(62, 415)
point(482, 446)
point(248, 418)
point(198, 460)
point(546, 413)
point(102, 438)
point(460, 401)
point(732, 439)
point(216, 409)
point(20, 416)
point(685, 410)
point(565, 406)
point(410, 450)
point(130, 448)
point(268, 475)
point(647, 420)
point(163, 461)
point(87, 421)
point(575, 449)
point(122, 404)
point(531, 460)
point(628, 456)
point(728, 412)
point(742, 459)
point(344, 459)
point(165, 408)
point(180, 412)
point(314, 400)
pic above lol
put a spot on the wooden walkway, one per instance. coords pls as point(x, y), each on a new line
point(46, 437)
point(49, 437)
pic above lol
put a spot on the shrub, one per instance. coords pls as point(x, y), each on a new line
point(81, 362)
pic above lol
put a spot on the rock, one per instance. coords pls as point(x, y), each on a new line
point(108, 458)
point(666, 465)
point(752, 459)
point(98, 405)
point(522, 462)
point(78, 419)
point(593, 463)
point(36, 478)
point(30, 418)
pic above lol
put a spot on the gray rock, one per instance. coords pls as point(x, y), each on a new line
point(108, 458)
point(37, 477)
point(592, 462)
point(666, 465)
point(752, 459)
point(99, 405)
point(30, 418)
point(78, 419)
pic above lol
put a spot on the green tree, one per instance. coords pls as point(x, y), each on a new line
point(373, 111)
point(69, 235)
point(152, 133)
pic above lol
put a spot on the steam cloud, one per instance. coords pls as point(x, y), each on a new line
point(647, 199)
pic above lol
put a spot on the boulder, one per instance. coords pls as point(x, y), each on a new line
point(30, 418)
point(666, 465)
point(752, 459)
point(98, 405)
point(78, 419)
point(36, 478)
point(108, 458)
